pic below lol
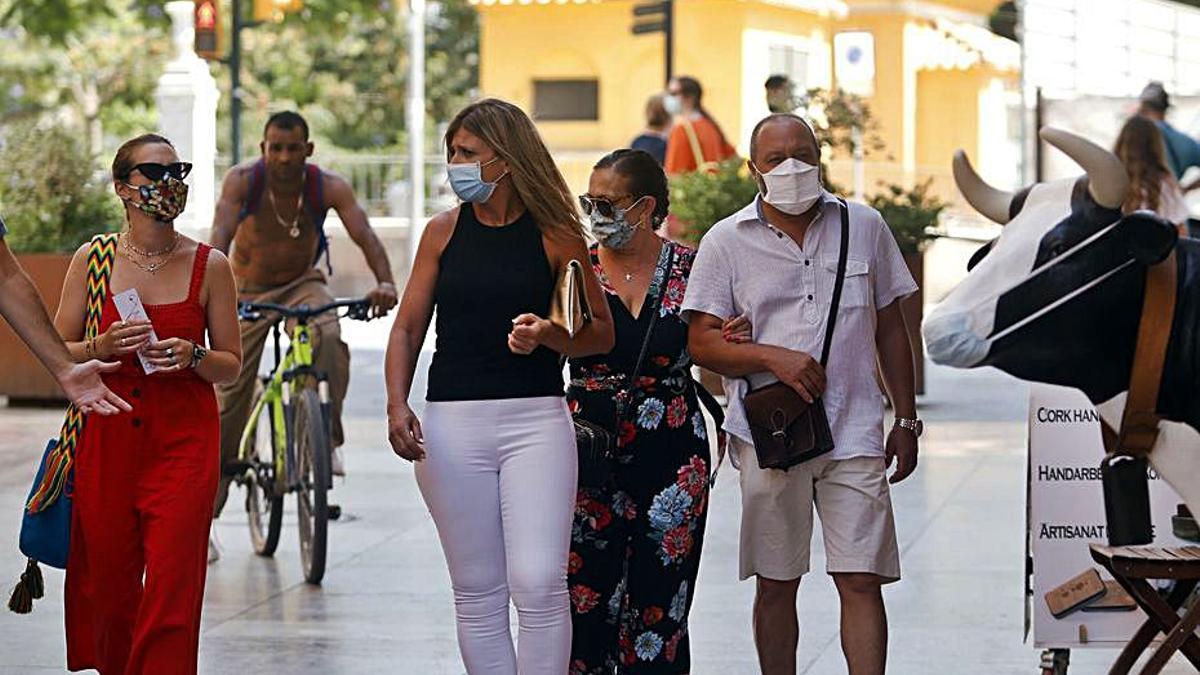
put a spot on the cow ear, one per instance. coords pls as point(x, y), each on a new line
point(1149, 237)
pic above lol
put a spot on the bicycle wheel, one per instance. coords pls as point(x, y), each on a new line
point(312, 455)
point(264, 506)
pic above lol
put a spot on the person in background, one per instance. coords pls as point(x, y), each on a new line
point(775, 262)
point(1182, 151)
point(21, 306)
point(653, 140)
point(1152, 186)
point(781, 96)
point(696, 139)
point(635, 548)
point(144, 483)
point(272, 214)
point(495, 453)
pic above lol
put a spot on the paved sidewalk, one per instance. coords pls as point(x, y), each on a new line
point(386, 606)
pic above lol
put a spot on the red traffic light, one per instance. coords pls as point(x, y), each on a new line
point(208, 29)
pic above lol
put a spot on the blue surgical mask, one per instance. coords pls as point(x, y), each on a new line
point(615, 232)
point(467, 181)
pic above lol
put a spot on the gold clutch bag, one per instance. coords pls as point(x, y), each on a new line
point(569, 307)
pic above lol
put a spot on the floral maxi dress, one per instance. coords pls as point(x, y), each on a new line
point(635, 547)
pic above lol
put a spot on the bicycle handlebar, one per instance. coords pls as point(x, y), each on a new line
point(359, 310)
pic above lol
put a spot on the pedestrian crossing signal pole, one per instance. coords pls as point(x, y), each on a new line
point(658, 17)
point(235, 81)
point(263, 11)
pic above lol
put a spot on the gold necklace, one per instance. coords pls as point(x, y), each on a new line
point(126, 237)
point(293, 228)
point(153, 267)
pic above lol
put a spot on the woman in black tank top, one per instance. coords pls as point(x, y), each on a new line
point(496, 459)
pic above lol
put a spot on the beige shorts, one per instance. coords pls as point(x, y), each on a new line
point(852, 501)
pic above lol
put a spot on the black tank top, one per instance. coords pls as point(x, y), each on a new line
point(487, 277)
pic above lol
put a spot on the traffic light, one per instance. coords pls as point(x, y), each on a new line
point(208, 30)
point(275, 10)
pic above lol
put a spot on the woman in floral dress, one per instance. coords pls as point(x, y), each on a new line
point(636, 542)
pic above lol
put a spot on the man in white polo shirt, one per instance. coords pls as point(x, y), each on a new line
point(776, 262)
point(22, 308)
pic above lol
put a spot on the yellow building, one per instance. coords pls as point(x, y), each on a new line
point(940, 79)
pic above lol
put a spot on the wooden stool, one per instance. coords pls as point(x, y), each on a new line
point(1131, 566)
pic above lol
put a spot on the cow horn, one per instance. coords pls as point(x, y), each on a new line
point(1107, 180)
point(993, 204)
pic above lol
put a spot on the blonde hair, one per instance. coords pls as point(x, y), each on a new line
point(508, 131)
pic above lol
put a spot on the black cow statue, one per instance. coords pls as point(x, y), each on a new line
point(1057, 298)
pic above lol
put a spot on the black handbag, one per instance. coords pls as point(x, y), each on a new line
point(1126, 500)
point(787, 430)
point(597, 445)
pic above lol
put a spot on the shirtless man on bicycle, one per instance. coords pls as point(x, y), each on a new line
point(273, 212)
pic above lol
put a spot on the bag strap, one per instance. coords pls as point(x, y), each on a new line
point(254, 191)
point(635, 375)
point(717, 413)
point(100, 258)
point(58, 461)
point(710, 403)
point(843, 251)
point(1139, 421)
point(694, 142)
point(314, 203)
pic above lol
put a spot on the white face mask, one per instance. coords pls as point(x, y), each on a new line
point(792, 187)
point(672, 104)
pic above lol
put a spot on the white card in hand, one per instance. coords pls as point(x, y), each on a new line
point(129, 306)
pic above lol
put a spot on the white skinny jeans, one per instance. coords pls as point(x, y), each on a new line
point(499, 479)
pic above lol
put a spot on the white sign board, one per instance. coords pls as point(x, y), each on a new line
point(854, 62)
point(1067, 515)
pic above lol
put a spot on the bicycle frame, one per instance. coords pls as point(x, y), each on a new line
point(289, 372)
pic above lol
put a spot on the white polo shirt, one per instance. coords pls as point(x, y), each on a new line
point(747, 266)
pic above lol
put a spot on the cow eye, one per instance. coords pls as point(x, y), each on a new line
point(979, 255)
point(1058, 250)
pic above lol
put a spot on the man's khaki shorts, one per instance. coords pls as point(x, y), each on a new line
point(853, 503)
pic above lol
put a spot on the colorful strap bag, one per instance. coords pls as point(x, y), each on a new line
point(46, 522)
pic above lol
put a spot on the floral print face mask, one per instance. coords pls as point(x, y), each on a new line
point(162, 200)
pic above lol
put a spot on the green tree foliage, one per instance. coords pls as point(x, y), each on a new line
point(52, 201)
point(451, 57)
point(701, 199)
point(912, 214)
point(343, 64)
point(99, 78)
point(57, 20)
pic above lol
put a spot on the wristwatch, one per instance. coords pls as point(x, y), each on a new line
point(914, 425)
point(198, 354)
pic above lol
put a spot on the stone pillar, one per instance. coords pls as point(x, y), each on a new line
point(187, 111)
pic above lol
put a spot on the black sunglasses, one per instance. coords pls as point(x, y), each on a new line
point(156, 172)
point(601, 205)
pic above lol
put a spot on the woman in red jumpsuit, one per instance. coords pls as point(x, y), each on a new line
point(144, 481)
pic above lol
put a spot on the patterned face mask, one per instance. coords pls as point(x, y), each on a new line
point(162, 200)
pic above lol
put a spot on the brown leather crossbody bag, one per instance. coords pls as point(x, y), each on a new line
point(787, 430)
